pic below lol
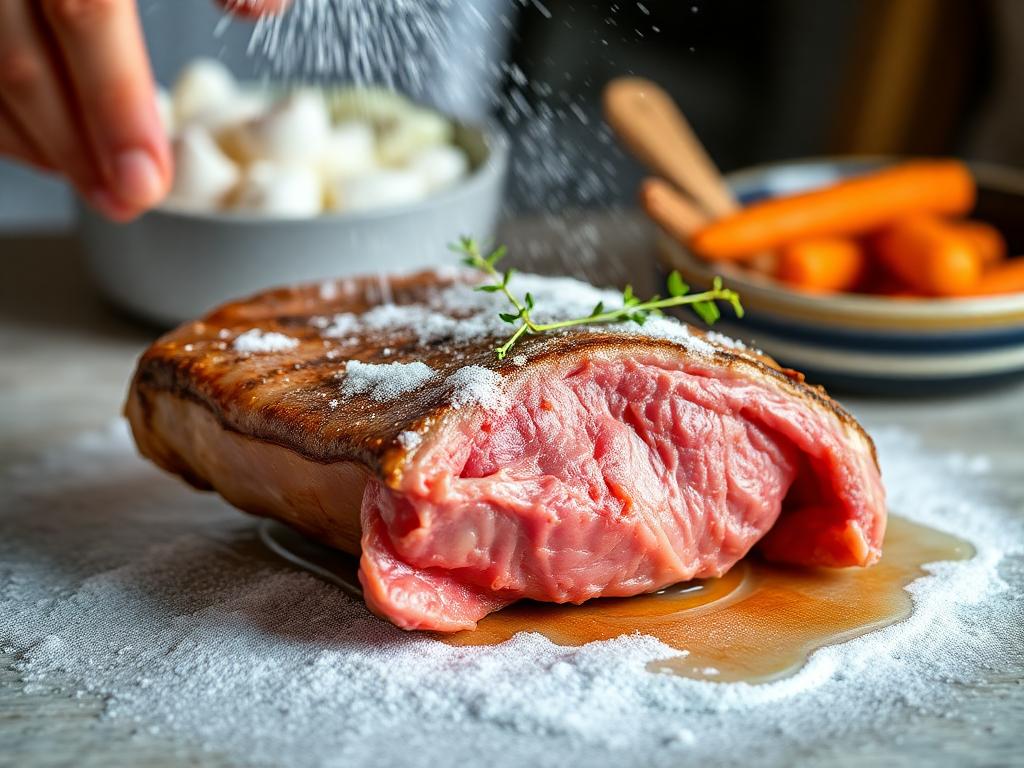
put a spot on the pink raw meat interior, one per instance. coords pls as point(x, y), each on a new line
point(612, 478)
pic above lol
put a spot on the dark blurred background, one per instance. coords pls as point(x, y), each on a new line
point(763, 81)
point(759, 81)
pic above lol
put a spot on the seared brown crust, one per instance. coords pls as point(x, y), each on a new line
point(293, 398)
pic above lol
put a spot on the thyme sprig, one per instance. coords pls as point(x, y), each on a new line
point(632, 309)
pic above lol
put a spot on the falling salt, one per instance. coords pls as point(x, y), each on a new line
point(385, 382)
point(408, 45)
point(256, 341)
point(181, 625)
point(366, 42)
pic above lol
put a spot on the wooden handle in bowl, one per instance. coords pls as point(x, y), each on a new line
point(650, 124)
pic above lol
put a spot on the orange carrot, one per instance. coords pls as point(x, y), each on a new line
point(986, 239)
point(823, 265)
point(852, 207)
point(1007, 277)
point(930, 256)
point(671, 209)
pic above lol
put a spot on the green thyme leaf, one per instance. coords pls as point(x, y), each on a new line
point(676, 286)
point(707, 311)
point(497, 255)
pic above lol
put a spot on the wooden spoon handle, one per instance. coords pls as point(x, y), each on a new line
point(650, 124)
point(671, 210)
point(681, 219)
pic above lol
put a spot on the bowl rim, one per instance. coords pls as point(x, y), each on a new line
point(491, 169)
point(872, 311)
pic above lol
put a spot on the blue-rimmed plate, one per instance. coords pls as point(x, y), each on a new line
point(874, 343)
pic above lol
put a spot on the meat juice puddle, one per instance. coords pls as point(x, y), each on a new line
point(757, 623)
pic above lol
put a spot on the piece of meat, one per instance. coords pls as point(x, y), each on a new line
point(374, 416)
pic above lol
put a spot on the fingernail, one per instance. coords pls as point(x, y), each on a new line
point(138, 178)
point(105, 203)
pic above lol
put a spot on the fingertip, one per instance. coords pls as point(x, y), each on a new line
point(107, 205)
point(255, 8)
point(138, 178)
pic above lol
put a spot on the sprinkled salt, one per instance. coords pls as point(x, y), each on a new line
point(430, 325)
point(384, 382)
point(256, 341)
point(519, 360)
point(340, 325)
point(557, 298)
point(184, 628)
point(725, 341)
point(673, 330)
point(474, 385)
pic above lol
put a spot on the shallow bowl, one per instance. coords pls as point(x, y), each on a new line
point(865, 343)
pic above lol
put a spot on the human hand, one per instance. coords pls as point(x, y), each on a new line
point(77, 98)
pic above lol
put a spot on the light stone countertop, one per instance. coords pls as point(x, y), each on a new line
point(66, 359)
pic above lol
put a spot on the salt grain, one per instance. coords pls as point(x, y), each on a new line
point(385, 382)
point(341, 325)
point(256, 341)
point(725, 341)
point(474, 385)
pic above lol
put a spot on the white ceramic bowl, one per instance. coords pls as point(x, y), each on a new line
point(170, 266)
point(864, 343)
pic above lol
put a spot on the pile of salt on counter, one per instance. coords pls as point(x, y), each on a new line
point(124, 587)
